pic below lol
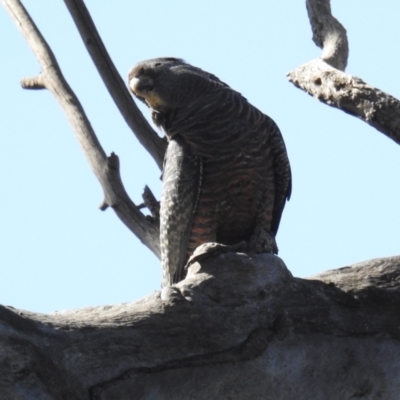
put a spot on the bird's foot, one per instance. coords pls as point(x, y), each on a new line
point(213, 249)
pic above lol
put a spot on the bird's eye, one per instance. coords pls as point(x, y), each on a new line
point(157, 64)
point(141, 71)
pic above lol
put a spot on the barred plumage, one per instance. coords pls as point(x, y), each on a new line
point(226, 172)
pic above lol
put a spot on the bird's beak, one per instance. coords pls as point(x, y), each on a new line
point(134, 85)
point(142, 87)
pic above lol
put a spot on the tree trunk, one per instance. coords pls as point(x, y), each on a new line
point(238, 327)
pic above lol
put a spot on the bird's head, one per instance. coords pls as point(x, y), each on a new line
point(149, 81)
point(168, 83)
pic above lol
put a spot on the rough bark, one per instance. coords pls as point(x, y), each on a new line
point(238, 327)
point(105, 168)
point(351, 95)
point(324, 79)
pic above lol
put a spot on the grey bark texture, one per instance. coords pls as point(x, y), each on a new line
point(351, 95)
point(324, 79)
point(238, 327)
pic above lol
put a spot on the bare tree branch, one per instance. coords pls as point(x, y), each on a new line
point(114, 83)
point(240, 323)
point(105, 168)
point(323, 78)
point(328, 33)
point(351, 95)
point(33, 83)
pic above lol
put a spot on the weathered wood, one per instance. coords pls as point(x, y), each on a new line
point(323, 78)
point(351, 95)
point(237, 327)
point(105, 168)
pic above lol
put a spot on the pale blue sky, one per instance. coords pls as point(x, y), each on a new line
point(58, 251)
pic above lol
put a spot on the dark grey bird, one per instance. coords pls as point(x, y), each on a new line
point(226, 173)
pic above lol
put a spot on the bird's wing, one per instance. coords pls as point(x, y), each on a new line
point(181, 186)
point(283, 175)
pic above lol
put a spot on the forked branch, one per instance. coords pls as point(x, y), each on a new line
point(324, 79)
point(105, 168)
